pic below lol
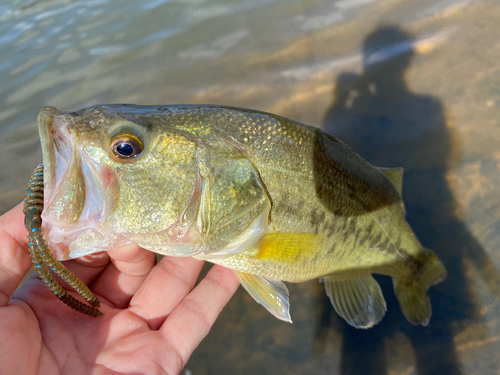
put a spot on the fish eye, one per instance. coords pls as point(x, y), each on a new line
point(126, 146)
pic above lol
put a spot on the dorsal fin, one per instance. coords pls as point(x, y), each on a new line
point(395, 175)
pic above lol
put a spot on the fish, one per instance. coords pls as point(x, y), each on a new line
point(270, 198)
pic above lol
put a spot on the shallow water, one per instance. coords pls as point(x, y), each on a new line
point(405, 83)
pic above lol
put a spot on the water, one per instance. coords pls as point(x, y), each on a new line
point(405, 83)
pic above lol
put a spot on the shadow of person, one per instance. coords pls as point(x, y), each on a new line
point(377, 115)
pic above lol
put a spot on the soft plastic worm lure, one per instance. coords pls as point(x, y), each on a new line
point(43, 260)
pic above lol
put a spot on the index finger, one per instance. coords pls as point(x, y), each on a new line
point(190, 322)
point(15, 261)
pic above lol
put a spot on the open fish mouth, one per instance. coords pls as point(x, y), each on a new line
point(57, 146)
point(59, 211)
point(66, 213)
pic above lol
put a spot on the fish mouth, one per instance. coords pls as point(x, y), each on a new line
point(64, 185)
point(57, 145)
point(76, 201)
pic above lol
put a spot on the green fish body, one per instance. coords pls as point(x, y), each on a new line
point(273, 199)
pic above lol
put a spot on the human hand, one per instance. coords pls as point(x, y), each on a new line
point(153, 318)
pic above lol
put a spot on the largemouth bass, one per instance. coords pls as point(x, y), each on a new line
point(268, 197)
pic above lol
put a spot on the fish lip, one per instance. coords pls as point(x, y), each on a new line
point(45, 122)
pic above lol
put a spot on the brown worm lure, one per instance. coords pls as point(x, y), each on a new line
point(42, 258)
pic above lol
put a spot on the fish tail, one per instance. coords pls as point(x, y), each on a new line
point(412, 292)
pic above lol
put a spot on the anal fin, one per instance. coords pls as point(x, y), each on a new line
point(271, 294)
point(359, 300)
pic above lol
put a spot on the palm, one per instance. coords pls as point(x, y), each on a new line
point(153, 318)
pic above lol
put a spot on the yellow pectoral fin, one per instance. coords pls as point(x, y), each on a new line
point(288, 247)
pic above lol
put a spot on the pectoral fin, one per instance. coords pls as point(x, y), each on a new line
point(359, 301)
point(271, 294)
